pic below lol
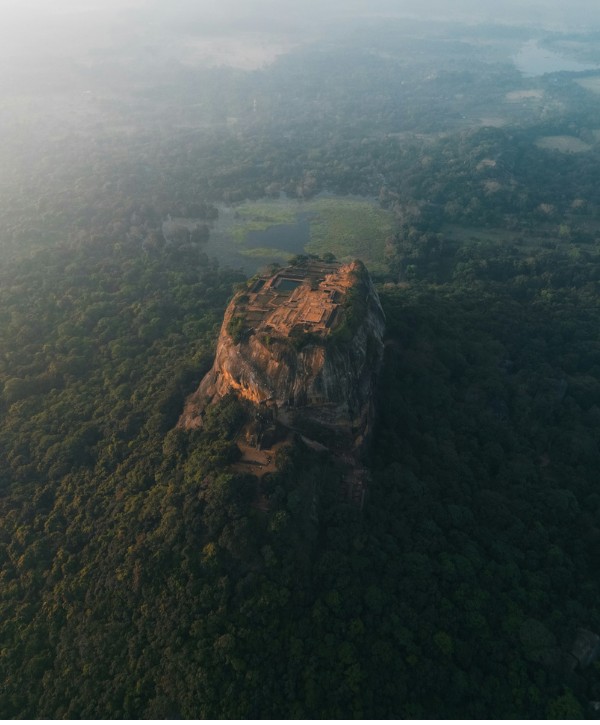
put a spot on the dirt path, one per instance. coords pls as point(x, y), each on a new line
point(257, 462)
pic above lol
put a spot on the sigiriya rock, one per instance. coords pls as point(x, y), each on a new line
point(302, 345)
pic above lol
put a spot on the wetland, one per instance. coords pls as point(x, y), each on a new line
point(256, 233)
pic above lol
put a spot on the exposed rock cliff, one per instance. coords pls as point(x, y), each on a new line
point(306, 344)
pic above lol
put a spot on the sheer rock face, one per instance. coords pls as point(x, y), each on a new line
point(306, 343)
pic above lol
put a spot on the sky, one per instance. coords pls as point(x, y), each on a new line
point(32, 28)
point(576, 12)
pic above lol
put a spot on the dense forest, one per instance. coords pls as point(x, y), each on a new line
point(139, 578)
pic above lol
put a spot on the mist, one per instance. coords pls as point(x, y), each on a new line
point(32, 29)
point(263, 14)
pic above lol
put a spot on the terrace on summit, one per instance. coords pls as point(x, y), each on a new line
point(302, 298)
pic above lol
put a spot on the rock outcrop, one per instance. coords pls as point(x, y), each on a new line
point(304, 343)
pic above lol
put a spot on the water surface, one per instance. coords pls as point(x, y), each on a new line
point(532, 60)
point(288, 237)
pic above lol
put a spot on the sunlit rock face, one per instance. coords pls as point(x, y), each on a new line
point(305, 342)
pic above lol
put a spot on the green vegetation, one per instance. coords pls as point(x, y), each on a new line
point(261, 215)
point(236, 327)
point(299, 339)
point(350, 229)
point(347, 228)
point(354, 312)
point(140, 578)
point(268, 253)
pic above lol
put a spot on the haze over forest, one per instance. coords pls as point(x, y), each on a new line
point(38, 28)
point(155, 157)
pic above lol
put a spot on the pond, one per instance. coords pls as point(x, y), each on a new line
point(288, 285)
point(288, 237)
point(252, 234)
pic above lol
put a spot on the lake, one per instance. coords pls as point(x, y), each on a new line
point(532, 60)
point(236, 244)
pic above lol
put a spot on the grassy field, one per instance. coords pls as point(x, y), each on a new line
point(350, 229)
point(267, 253)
